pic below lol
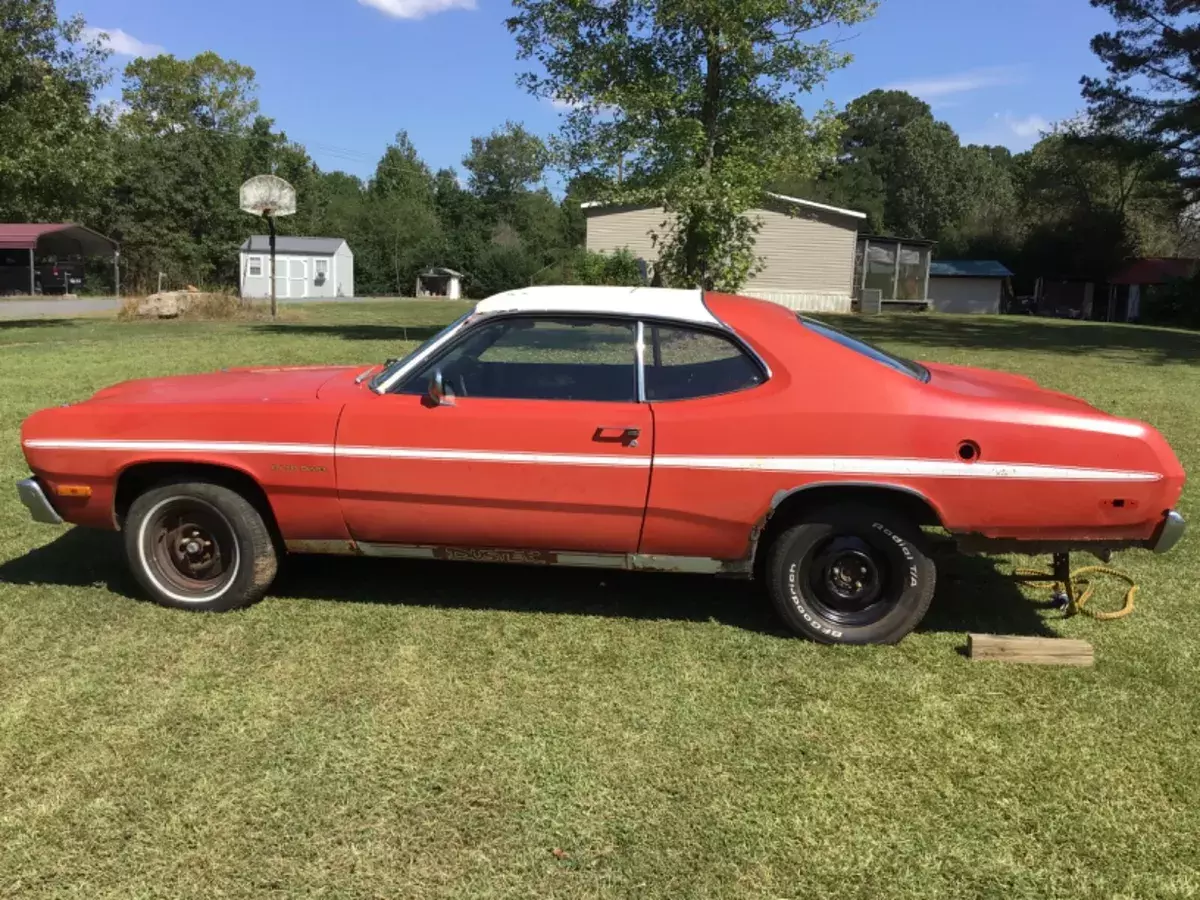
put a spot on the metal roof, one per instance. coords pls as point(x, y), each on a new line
point(441, 272)
point(968, 268)
point(892, 239)
point(783, 198)
point(1156, 271)
point(659, 303)
point(64, 236)
point(318, 246)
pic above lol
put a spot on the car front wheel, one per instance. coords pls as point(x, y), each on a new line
point(851, 574)
point(199, 546)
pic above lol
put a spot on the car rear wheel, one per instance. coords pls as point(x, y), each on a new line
point(851, 574)
point(199, 546)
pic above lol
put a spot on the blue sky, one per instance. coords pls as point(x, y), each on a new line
point(342, 76)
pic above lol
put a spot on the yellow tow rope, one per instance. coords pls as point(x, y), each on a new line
point(1079, 589)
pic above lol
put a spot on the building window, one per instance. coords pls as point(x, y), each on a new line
point(898, 269)
point(881, 269)
point(320, 269)
point(254, 267)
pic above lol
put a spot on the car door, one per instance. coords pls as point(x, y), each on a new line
point(535, 441)
point(712, 405)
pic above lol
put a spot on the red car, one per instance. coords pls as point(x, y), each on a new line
point(643, 429)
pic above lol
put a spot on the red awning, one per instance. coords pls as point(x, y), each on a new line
point(62, 238)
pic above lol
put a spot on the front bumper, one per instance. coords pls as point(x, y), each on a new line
point(1169, 532)
point(35, 501)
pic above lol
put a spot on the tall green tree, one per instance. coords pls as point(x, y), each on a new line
point(697, 101)
point(1094, 199)
point(899, 165)
point(55, 156)
point(1153, 81)
point(397, 227)
point(505, 163)
point(186, 142)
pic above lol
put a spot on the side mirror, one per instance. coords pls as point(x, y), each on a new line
point(437, 395)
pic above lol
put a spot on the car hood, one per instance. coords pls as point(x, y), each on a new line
point(987, 384)
point(244, 385)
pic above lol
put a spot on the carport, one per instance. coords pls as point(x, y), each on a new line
point(62, 239)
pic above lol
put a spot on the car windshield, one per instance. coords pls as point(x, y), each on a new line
point(392, 366)
point(899, 363)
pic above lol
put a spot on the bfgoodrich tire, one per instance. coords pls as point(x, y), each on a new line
point(199, 546)
point(851, 574)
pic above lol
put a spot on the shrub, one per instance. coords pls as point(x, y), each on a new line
point(1174, 303)
point(620, 269)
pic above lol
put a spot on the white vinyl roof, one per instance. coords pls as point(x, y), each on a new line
point(658, 303)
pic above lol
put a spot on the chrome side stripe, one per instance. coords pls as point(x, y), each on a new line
point(917, 468)
point(550, 459)
point(817, 465)
point(184, 446)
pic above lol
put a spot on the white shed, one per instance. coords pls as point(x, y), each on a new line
point(440, 282)
point(304, 267)
point(967, 286)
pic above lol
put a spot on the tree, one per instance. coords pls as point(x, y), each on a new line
point(507, 162)
point(992, 227)
point(899, 165)
point(190, 136)
point(1153, 83)
point(164, 94)
point(55, 159)
point(397, 227)
point(401, 174)
point(695, 100)
point(1094, 199)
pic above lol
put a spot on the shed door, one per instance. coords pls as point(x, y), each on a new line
point(297, 278)
point(281, 274)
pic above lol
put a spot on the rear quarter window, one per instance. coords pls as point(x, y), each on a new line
point(686, 364)
point(899, 363)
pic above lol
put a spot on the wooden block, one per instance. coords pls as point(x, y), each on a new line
point(1042, 651)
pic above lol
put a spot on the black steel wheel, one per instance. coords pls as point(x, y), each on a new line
point(201, 546)
point(851, 574)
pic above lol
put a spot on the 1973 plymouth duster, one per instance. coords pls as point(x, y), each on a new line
point(647, 429)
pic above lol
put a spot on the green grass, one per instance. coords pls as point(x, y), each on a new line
point(388, 729)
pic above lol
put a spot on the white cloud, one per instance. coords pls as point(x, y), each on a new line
point(121, 42)
point(1028, 127)
point(564, 105)
point(961, 82)
point(416, 9)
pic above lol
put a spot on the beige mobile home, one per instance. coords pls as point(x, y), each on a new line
point(807, 248)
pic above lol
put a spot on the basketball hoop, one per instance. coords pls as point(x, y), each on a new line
point(269, 196)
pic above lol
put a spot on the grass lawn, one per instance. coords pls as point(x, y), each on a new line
point(391, 729)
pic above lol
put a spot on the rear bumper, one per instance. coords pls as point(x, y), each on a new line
point(35, 501)
point(1169, 532)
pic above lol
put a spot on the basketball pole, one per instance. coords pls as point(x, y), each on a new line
point(271, 227)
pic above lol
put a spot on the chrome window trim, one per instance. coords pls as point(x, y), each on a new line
point(474, 319)
point(420, 358)
point(640, 355)
point(479, 319)
point(720, 330)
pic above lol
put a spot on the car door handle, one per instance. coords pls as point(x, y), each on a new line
point(625, 434)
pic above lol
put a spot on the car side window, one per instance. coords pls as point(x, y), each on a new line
point(684, 364)
point(535, 358)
